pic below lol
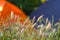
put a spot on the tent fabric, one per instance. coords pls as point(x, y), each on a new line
point(48, 9)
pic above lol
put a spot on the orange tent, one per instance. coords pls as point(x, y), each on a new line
point(6, 8)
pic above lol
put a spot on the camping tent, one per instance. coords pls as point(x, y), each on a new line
point(48, 9)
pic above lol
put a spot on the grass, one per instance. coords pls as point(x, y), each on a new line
point(42, 29)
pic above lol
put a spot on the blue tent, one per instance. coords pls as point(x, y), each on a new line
point(48, 9)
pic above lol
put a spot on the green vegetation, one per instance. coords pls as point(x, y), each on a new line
point(26, 5)
point(27, 31)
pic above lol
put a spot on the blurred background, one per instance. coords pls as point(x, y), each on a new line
point(27, 5)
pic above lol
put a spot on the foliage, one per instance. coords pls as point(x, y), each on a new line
point(28, 31)
point(26, 5)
